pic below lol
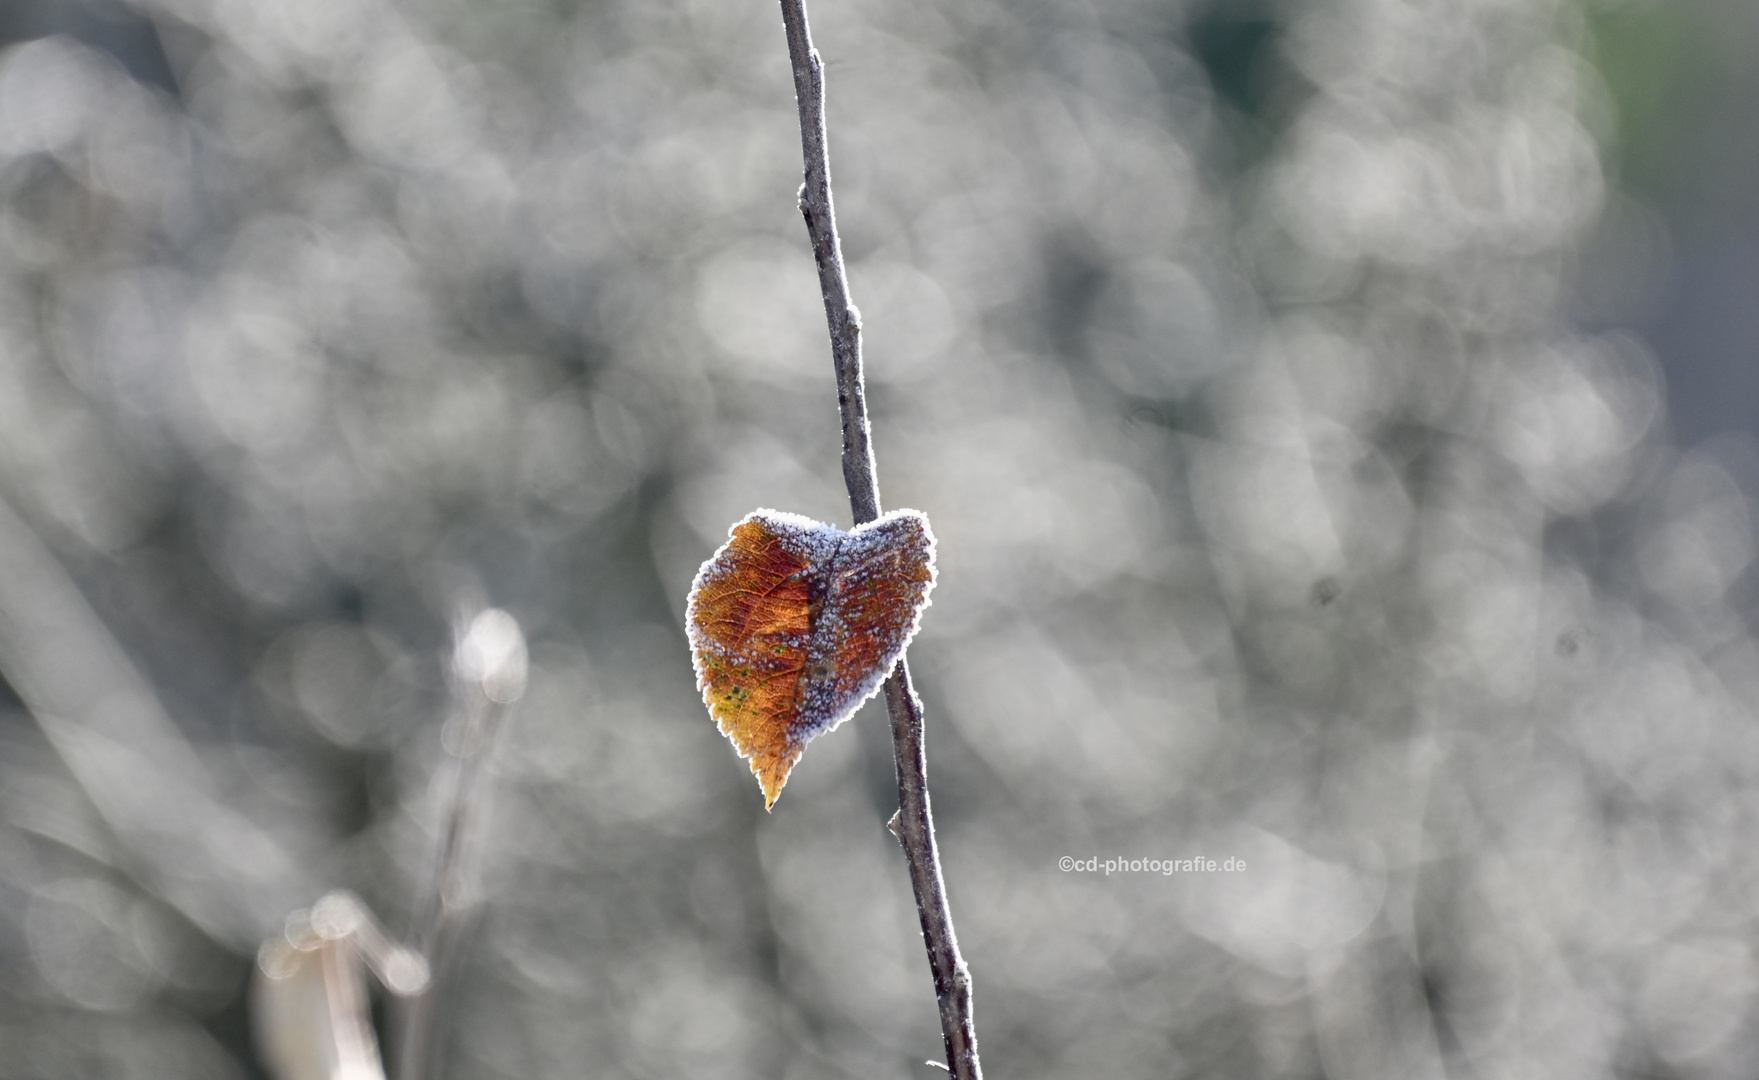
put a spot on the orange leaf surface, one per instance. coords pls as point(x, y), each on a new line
point(794, 624)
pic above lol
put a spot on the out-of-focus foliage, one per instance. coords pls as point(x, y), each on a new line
point(1282, 517)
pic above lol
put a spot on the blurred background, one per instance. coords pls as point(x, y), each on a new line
point(1337, 419)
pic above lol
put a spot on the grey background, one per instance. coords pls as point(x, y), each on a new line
point(1336, 419)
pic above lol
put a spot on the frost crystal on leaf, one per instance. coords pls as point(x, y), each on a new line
point(794, 624)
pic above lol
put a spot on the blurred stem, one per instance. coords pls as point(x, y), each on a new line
point(450, 883)
point(915, 822)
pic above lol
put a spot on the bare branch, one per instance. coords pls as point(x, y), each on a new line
point(952, 979)
point(914, 824)
point(841, 315)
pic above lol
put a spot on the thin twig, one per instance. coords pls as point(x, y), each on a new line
point(489, 669)
point(827, 250)
point(915, 822)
